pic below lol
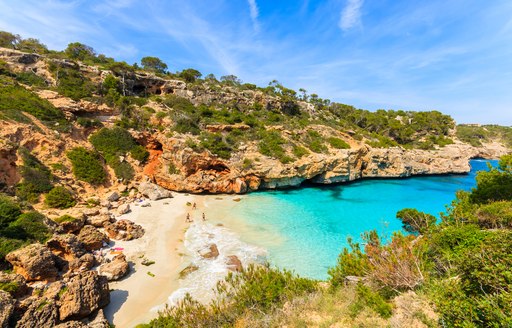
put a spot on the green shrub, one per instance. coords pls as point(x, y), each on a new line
point(315, 142)
point(64, 218)
point(139, 153)
point(10, 287)
point(112, 142)
point(299, 151)
point(123, 170)
point(351, 262)
point(338, 143)
point(215, 144)
point(8, 245)
point(257, 290)
point(37, 178)
point(87, 166)
point(366, 297)
point(414, 221)
point(88, 122)
point(15, 97)
point(173, 169)
point(30, 78)
point(73, 84)
point(271, 145)
point(60, 197)
point(497, 215)
point(33, 227)
point(9, 211)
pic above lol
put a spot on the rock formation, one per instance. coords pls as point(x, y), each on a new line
point(115, 269)
point(33, 262)
point(124, 230)
point(92, 238)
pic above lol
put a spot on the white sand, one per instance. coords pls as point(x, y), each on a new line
point(134, 298)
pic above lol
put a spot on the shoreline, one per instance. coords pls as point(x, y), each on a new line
point(135, 297)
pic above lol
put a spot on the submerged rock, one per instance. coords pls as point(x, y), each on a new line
point(209, 252)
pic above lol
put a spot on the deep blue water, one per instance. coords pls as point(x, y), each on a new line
point(305, 229)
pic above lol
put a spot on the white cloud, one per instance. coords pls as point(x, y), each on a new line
point(351, 14)
point(253, 6)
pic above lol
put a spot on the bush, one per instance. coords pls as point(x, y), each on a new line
point(33, 227)
point(351, 262)
point(271, 145)
point(37, 178)
point(9, 211)
point(366, 297)
point(87, 166)
point(60, 197)
point(64, 218)
point(315, 142)
point(257, 290)
point(8, 245)
point(216, 145)
point(123, 170)
point(88, 122)
point(112, 142)
point(497, 215)
point(30, 78)
point(338, 143)
point(139, 153)
point(414, 221)
point(73, 84)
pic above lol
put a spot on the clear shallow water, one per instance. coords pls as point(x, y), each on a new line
point(305, 229)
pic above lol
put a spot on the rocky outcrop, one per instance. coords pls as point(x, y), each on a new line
point(42, 312)
point(71, 225)
point(154, 191)
point(67, 247)
point(33, 262)
point(92, 238)
point(115, 269)
point(209, 252)
point(181, 169)
point(99, 220)
point(124, 230)
point(6, 308)
point(84, 294)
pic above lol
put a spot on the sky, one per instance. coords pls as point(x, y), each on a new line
point(454, 56)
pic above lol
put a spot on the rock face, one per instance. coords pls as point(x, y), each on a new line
point(153, 191)
point(197, 173)
point(17, 281)
point(33, 262)
point(115, 269)
point(40, 313)
point(66, 246)
point(92, 238)
point(124, 230)
point(6, 308)
point(85, 293)
point(209, 252)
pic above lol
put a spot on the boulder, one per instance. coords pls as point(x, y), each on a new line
point(6, 308)
point(113, 197)
point(91, 211)
point(234, 263)
point(92, 238)
point(85, 293)
point(98, 320)
point(99, 221)
point(84, 263)
point(124, 230)
point(209, 252)
point(188, 270)
point(67, 247)
point(33, 262)
point(115, 269)
point(153, 191)
point(42, 312)
point(73, 225)
point(18, 284)
point(123, 209)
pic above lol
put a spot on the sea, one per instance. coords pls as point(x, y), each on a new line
point(304, 229)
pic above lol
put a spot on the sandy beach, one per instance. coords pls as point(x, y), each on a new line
point(135, 298)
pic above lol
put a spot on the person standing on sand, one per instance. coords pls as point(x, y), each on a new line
point(204, 217)
point(188, 218)
point(194, 206)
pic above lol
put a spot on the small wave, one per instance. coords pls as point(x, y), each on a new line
point(201, 283)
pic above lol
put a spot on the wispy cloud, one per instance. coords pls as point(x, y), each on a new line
point(351, 14)
point(255, 12)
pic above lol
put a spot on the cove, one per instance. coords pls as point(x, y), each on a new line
point(305, 229)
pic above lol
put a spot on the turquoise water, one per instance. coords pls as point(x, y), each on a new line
point(305, 229)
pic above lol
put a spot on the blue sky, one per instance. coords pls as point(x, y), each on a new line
point(451, 55)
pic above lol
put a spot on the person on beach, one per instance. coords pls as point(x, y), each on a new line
point(204, 217)
point(188, 218)
point(194, 206)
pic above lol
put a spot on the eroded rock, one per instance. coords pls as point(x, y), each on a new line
point(124, 230)
point(67, 247)
point(123, 209)
point(115, 269)
point(18, 284)
point(92, 238)
point(234, 263)
point(85, 293)
point(6, 308)
point(42, 312)
point(154, 191)
point(33, 262)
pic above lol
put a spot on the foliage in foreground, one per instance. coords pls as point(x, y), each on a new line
point(258, 290)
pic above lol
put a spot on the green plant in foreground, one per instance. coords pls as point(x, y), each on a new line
point(60, 197)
